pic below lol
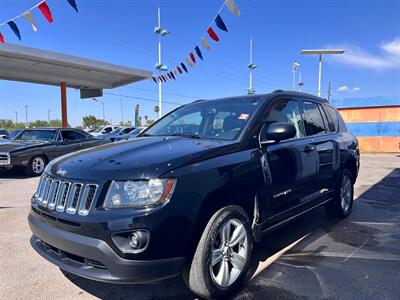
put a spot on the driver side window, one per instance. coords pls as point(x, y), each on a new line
point(286, 110)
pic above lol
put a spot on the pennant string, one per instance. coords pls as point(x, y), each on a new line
point(19, 16)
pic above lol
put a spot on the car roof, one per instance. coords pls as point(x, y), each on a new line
point(268, 96)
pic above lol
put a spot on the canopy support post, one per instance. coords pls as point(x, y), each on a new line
point(64, 116)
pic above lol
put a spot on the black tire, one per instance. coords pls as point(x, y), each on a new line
point(336, 208)
point(32, 170)
point(198, 275)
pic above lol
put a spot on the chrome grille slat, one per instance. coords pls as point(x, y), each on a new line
point(65, 196)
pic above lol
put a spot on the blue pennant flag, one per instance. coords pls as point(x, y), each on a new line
point(73, 4)
point(184, 67)
point(198, 52)
point(15, 29)
point(220, 23)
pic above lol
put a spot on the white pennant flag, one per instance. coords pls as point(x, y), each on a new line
point(205, 44)
point(29, 18)
point(230, 4)
point(189, 62)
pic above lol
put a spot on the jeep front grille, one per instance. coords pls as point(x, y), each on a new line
point(65, 196)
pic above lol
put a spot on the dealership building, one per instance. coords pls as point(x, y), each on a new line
point(374, 120)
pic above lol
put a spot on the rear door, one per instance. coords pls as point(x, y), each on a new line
point(323, 140)
point(71, 141)
point(291, 165)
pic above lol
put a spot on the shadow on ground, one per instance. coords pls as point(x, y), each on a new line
point(335, 259)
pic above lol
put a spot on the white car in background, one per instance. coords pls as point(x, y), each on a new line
point(103, 130)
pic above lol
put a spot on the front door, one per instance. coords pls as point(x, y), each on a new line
point(69, 142)
point(290, 165)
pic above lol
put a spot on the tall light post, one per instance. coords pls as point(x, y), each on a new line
point(26, 116)
point(48, 116)
point(16, 117)
point(160, 32)
point(251, 66)
point(320, 53)
point(295, 66)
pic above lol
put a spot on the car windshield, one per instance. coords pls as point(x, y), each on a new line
point(36, 136)
point(98, 129)
point(116, 130)
point(219, 119)
point(136, 131)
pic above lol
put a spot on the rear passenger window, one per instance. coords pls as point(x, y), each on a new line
point(314, 122)
point(287, 111)
point(333, 122)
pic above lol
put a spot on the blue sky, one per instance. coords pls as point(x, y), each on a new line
point(121, 32)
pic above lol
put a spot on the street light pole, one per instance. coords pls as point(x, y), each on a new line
point(26, 116)
point(16, 117)
point(294, 70)
point(320, 53)
point(251, 90)
point(159, 66)
point(48, 116)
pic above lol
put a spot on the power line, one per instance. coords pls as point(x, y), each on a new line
point(167, 93)
point(141, 98)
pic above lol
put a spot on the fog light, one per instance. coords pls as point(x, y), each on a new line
point(139, 239)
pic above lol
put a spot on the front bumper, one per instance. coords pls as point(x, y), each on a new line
point(94, 259)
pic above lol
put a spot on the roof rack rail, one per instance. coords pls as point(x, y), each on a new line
point(278, 91)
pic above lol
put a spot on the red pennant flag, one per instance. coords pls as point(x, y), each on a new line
point(46, 11)
point(192, 57)
point(2, 39)
point(212, 34)
point(179, 70)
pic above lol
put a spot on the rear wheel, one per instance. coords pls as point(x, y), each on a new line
point(222, 257)
point(342, 204)
point(36, 166)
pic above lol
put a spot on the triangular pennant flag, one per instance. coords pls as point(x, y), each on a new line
point(154, 79)
point(175, 73)
point(29, 18)
point(44, 8)
point(192, 57)
point(2, 39)
point(205, 44)
point(15, 29)
point(163, 78)
point(179, 70)
point(198, 52)
point(189, 62)
point(169, 75)
point(220, 23)
point(184, 67)
point(173, 76)
point(230, 4)
point(212, 34)
point(73, 4)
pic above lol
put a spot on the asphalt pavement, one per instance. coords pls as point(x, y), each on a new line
point(312, 258)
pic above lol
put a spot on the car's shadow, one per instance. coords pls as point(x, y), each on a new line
point(15, 173)
point(299, 234)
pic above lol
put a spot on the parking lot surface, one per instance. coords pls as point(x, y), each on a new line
point(312, 258)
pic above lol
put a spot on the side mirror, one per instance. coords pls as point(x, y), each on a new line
point(277, 132)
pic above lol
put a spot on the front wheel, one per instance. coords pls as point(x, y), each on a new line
point(222, 257)
point(341, 205)
point(36, 166)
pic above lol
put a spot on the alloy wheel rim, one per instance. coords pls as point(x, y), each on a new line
point(229, 252)
point(38, 165)
point(345, 193)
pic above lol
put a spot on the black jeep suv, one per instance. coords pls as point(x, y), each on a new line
point(194, 191)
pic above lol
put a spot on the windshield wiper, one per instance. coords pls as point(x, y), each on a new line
point(187, 135)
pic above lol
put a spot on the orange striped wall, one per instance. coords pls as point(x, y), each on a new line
point(374, 114)
point(371, 114)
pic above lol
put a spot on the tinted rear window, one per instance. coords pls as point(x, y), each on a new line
point(314, 121)
point(333, 121)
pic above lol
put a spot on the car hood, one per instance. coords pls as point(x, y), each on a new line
point(141, 158)
point(13, 145)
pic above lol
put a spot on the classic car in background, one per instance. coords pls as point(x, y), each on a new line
point(131, 135)
point(32, 149)
point(3, 133)
point(103, 130)
point(117, 132)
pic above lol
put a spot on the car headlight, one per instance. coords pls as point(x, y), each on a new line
point(141, 193)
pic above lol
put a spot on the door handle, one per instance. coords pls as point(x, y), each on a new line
point(308, 149)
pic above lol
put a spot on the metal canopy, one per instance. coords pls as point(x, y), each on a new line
point(27, 64)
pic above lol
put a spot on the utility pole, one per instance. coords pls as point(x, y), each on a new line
point(160, 32)
point(48, 116)
point(26, 116)
point(122, 109)
point(294, 70)
point(16, 117)
point(251, 66)
point(104, 112)
point(329, 91)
